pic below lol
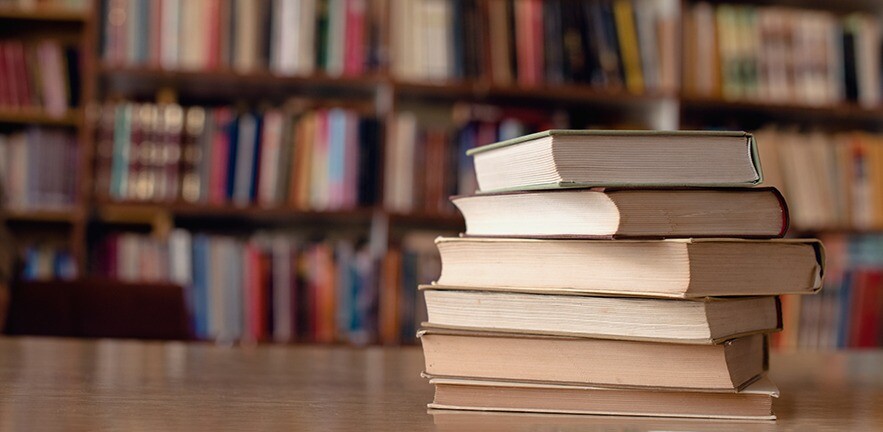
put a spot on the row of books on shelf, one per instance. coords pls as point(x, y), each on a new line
point(426, 162)
point(782, 55)
point(46, 261)
point(612, 44)
point(832, 181)
point(38, 75)
point(73, 5)
point(275, 286)
point(303, 158)
point(847, 312)
point(288, 37)
point(38, 168)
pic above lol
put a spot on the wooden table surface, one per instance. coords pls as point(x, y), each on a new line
point(73, 385)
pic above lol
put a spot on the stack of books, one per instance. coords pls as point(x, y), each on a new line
point(623, 273)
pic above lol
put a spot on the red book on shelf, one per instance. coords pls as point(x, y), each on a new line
point(869, 314)
point(536, 45)
point(213, 19)
point(354, 41)
point(11, 75)
point(5, 80)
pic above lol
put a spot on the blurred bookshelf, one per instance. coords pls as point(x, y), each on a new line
point(391, 93)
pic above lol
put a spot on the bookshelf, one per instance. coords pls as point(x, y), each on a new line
point(383, 88)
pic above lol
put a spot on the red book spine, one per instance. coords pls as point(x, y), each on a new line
point(264, 281)
point(213, 15)
point(25, 85)
point(855, 309)
point(11, 74)
point(5, 80)
point(354, 41)
point(870, 310)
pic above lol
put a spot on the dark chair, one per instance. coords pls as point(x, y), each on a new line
point(99, 308)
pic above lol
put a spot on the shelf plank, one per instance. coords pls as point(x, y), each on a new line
point(139, 212)
point(69, 216)
point(773, 110)
point(480, 91)
point(231, 84)
point(33, 116)
point(44, 14)
point(147, 212)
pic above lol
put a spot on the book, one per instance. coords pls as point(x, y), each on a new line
point(576, 158)
point(617, 363)
point(683, 268)
point(754, 402)
point(626, 213)
point(533, 312)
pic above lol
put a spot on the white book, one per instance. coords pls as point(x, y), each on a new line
point(169, 32)
point(285, 37)
point(180, 258)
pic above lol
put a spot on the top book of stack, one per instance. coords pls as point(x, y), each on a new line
point(584, 158)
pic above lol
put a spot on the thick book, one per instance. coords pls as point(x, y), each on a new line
point(579, 158)
point(627, 213)
point(754, 402)
point(729, 366)
point(706, 321)
point(659, 268)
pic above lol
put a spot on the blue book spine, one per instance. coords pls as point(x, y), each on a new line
point(256, 159)
point(336, 154)
point(233, 135)
point(122, 133)
point(32, 263)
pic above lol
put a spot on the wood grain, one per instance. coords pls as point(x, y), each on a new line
point(74, 385)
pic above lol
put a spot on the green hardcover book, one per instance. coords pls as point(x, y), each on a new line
point(586, 158)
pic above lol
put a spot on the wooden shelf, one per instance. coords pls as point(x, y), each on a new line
point(30, 116)
point(68, 216)
point(441, 220)
point(556, 93)
point(44, 14)
point(147, 212)
point(141, 212)
point(771, 110)
point(229, 83)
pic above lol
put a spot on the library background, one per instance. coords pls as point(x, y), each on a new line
point(276, 171)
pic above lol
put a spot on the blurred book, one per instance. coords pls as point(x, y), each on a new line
point(39, 76)
point(286, 37)
point(38, 168)
point(312, 159)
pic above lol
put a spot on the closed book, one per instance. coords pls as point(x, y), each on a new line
point(754, 402)
point(573, 158)
point(729, 366)
point(704, 321)
point(666, 268)
point(625, 213)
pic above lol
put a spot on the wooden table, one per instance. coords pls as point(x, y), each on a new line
point(56, 384)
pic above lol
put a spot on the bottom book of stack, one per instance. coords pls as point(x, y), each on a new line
point(490, 371)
